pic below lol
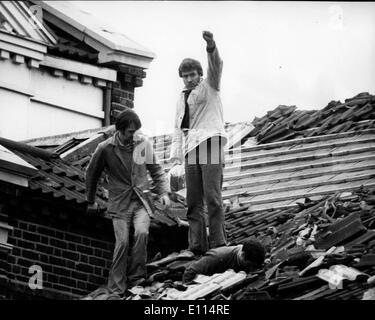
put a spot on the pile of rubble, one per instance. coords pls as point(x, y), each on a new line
point(324, 249)
point(286, 122)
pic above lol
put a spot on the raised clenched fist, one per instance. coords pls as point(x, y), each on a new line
point(208, 36)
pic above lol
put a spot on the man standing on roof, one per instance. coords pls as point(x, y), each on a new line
point(126, 157)
point(198, 141)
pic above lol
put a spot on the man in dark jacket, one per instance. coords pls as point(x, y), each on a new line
point(126, 157)
point(246, 257)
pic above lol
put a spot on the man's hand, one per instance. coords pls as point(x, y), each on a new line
point(165, 201)
point(209, 38)
point(92, 208)
point(176, 162)
point(177, 170)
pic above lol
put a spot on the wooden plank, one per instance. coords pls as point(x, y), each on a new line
point(300, 165)
point(352, 174)
point(298, 184)
point(298, 148)
point(278, 186)
point(327, 149)
point(268, 146)
point(310, 192)
point(308, 156)
point(342, 186)
point(302, 150)
point(284, 204)
point(341, 170)
point(24, 43)
point(337, 168)
point(236, 134)
point(24, 51)
point(79, 67)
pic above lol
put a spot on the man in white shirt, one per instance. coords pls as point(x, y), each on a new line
point(198, 141)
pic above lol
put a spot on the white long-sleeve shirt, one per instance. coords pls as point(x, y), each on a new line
point(205, 109)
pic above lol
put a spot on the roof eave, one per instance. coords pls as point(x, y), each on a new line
point(120, 57)
point(109, 51)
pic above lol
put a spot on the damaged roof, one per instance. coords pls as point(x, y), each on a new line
point(320, 250)
point(54, 176)
point(281, 173)
point(310, 200)
point(60, 179)
point(263, 177)
point(287, 122)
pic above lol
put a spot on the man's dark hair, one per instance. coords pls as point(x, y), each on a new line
point(189, 65)
point(254, 251)
point(127, 117)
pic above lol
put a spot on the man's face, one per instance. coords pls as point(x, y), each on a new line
point(191, 78)
point(127, 135)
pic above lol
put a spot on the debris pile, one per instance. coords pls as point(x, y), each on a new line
point(286, 122)
point(324, 249)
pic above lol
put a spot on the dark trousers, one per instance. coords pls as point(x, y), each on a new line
point(204, 180)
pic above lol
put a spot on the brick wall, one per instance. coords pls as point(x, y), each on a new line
point(122, 98)
point(122, 95)
point(73, 250)
point(70, 262)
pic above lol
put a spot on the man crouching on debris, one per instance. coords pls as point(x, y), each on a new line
point(126, 157)
point(247, 257)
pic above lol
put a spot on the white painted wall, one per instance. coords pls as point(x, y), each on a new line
point(57, 121)
point(14, 115)
point(28, 99)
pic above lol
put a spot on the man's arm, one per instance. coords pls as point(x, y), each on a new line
point(176, 147)
point(206, 265)
point(93, 172)
point(157, 173)
point(215, 64)
point(176, 156)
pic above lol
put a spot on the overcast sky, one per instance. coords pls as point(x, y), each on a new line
point(293, 53)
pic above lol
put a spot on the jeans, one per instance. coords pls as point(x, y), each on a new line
point(129, 264)
point(204, 180)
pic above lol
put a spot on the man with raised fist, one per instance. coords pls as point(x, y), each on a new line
point(198, 141)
